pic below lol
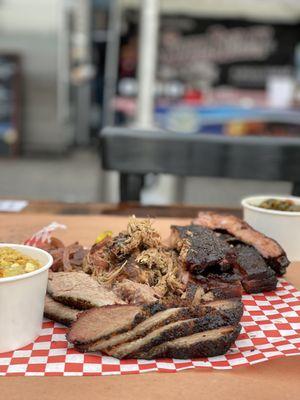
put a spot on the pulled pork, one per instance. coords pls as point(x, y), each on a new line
point(65, 258)
point(138, 255)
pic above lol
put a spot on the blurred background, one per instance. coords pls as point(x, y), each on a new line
point(209, 68)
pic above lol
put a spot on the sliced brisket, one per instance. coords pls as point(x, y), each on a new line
point(59, 312)
point(153, 322)
point(103, 322)
point(79, 290)
point(136, 348)
point(204, 344)
point(125, 336)
point(205, 318)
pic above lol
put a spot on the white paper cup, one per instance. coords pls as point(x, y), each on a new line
point(22, 301)
point(283, 226)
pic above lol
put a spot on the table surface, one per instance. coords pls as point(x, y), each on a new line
point(128, 208)
point(270, 380)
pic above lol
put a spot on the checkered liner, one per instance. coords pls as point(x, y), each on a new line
point(270, 329)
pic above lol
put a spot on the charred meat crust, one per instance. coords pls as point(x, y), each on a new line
point(256, 275)
point(200, 248)
point(279, 264)
point(202, 344)
point(155, 338)
point(82, 325)
point(248, 270)
point(138, 331)
point(229, 292)
point(213, 287)
point(83, 321)
point(260, 285)
point(270, 250)
point(230, 310)
point(219, 312)
point(212, 320)
point(80, 304)
point(251, 264)
point(63, 321)
point(59, 312)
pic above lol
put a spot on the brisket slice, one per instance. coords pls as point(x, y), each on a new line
point(256, 275)
point(103, 322)
point(79, 290)
point(269, 249)
point(203, 344)
point(200, 248)
point(153, 322)
point(59, 312)
point(159, 327)
point(212, 319)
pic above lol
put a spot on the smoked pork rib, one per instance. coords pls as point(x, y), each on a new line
point(269, 249)
point(204, 344)
point(200, 248)
point(256, 275)
point(218, 269)
point(213, 287)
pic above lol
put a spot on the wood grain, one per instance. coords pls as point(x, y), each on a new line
point(128, 208)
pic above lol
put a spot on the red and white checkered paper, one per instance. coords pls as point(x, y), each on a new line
point(270, 329)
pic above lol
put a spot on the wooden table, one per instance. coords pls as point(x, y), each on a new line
point(128, 208)
point(277, 379)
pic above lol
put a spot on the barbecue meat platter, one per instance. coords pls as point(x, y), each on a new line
point(135, 295)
